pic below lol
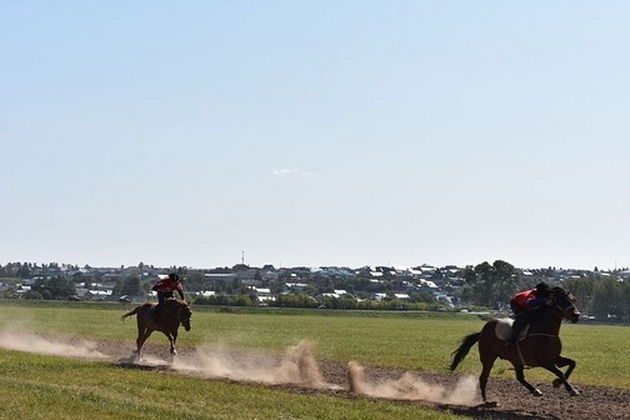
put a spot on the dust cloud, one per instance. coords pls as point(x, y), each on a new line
point(297, 366)
point(410, 387)
point(33, 343)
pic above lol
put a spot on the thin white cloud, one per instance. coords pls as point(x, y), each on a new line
point(286, 171)
point(293, 172)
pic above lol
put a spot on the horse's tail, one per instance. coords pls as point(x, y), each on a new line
point(463, 349)
point(132, 312)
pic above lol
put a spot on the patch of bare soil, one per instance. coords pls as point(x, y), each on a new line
point(514, 402)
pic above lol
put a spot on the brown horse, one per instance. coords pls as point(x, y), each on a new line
point(540, 348)
point(173, 314)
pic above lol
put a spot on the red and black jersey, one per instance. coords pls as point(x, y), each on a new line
point(524, 299)
point(168, 285)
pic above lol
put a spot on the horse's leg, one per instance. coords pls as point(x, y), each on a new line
point(141, 339)
point(174, 334)
point(142, 331)
point(521, 378)
point(171, 342)
point(562, 361)
point(556, 371)
point(487, 360)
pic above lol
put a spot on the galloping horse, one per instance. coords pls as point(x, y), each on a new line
point(540, 348)
point(173, 314)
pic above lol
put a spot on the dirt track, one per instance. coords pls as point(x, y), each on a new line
point(514, 401)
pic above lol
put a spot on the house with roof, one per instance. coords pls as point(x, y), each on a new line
point(263, 294)
point(379, 296)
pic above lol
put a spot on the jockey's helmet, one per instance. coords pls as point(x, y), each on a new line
point(543, 289)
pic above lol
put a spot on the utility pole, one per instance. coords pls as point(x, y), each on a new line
point(243, 257)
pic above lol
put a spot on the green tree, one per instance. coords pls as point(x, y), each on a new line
point(195, 280)
point(60, 287)
point(491, 285)
point(24, 271)
point(54, 288)
point(582, 289)
point(625, 299)
point(119, 287)
point(607, 299)
point(33, 295)
point(131, 286)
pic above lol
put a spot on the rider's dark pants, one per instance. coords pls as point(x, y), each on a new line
point(521, 318)
point(515, 308)
point(162, 296)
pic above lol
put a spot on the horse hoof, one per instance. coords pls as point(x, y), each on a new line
point(574, 392)
point(174, 352)
point(537, 393)
point(557, 383)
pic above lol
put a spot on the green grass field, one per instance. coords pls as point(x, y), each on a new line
point(416, 341)
point(52, 387)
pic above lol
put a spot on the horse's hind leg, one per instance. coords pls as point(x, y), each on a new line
point(556, 371)
point(562, 362)
point(142, 337)
point(487, 360)
point(521, 378)
point(139, 340)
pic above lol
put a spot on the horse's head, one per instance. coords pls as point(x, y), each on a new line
point(564, 302)
point(184, 315)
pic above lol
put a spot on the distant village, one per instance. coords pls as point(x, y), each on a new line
point(424, 287)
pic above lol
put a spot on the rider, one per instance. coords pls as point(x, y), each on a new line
point(165, 289)
point(524, 304)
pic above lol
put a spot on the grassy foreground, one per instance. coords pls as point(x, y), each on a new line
point(419, 343)
point(52, 387)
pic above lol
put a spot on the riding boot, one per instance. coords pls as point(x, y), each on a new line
point(517, 327)
point(158, 308)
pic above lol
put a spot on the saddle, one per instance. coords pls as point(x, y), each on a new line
point(165, 308)
point(504, 327)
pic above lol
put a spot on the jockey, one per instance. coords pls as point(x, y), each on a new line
point(524, 304)
point(165, 289)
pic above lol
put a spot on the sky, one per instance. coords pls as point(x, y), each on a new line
point(315, 133)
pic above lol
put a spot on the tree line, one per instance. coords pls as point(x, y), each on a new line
point(603, 296)
point(303, 300)
point(606, 298)
point(57, 287)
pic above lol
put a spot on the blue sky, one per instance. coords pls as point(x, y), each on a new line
point(315, 133)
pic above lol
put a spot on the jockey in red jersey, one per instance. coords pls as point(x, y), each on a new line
point(165, 289)
point(524, 304)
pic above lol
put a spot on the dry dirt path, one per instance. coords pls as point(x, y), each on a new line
point(595, 402)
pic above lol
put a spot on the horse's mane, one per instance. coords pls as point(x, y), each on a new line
point(565, 292)
point(540, 313)
point(174, 305)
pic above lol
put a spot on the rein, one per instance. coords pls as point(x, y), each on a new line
point(565, 310)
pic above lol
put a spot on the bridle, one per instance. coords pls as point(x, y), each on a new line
point(184, 314)
point(566, 309)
